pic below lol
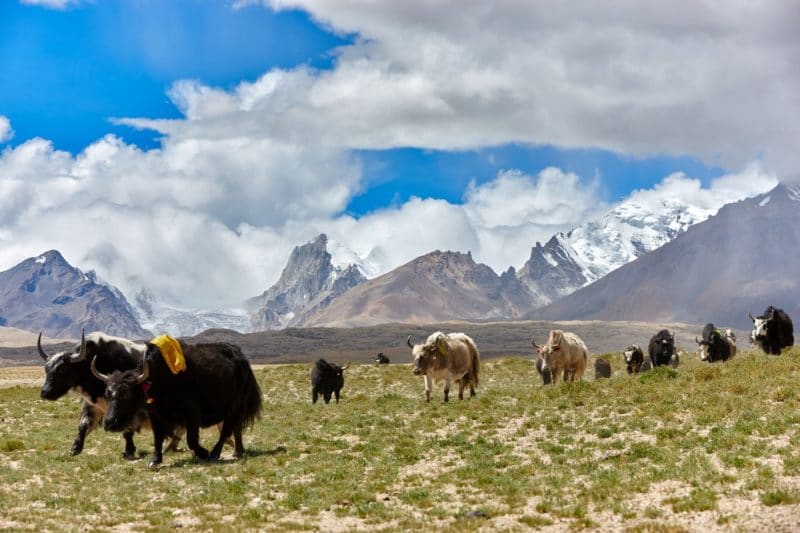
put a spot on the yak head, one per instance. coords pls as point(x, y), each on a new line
point(553, 346)
point(431, 355)
point(62, 371)
point(125, 394)
point(705, 347)
point(761, 325)
point(629, 351)
point(664, 344)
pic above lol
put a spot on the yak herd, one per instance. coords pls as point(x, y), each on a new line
point(128, 386)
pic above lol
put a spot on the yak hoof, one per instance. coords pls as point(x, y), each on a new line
point(129, 456)
point(154, 463)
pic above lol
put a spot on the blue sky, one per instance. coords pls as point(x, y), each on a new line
point(67, 72)
point(239, 129)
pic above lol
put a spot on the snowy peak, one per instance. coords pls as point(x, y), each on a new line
point(309, 281)
point(568, 261)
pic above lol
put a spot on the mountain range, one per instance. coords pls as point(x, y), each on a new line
point(740, 260)
point(608, 261)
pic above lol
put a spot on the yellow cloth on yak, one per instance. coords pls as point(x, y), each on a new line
point(172, 353)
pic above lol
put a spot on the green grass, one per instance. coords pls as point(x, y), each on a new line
point(643, 452)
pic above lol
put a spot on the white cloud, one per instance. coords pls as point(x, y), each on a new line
point(51, 4)
point(752, 180)
point(6, 133)
point(204, 223)
point(713, 80)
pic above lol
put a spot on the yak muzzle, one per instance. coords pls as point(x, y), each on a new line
point(47, 394)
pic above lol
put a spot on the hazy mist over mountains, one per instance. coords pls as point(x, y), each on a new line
point(701, 268)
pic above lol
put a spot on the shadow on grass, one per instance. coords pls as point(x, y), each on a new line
point(192, 460)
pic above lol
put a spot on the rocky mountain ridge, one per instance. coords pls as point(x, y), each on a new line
point(45, 293)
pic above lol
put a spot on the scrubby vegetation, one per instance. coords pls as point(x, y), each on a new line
point(703, 446)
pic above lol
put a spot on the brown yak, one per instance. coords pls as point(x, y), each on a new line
point(565, 353)
point(447, 358)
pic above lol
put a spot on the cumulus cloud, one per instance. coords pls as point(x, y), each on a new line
point(6, 133)
point(713, 80)
point(752, 180)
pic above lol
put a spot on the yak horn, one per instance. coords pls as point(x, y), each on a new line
point(695, 340)
point(145, 371)
point(751, 317)
point(39, 347)
point(102, 377)
point(408, 341)
point(82, 353)
point(345, 367)
point(533, 341)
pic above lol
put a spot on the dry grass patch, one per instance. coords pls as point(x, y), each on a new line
point(664, 451)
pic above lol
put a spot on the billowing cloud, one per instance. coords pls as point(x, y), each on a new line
point(210, 217)
point(713, 80)
point(6, 133)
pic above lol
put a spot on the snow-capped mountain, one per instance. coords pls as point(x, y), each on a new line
point(740, 260)
point(569, 261)
point(160, 318)
point(309, 282)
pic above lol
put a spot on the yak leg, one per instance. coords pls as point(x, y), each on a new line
point(461, 388)
point(175, 439)
point(555, 372)
point(326, 396)
point(193, 441)
point(238, 450)
point(314, 394)
point(428, 385)
point(336, 393)
point(90, 419)
point(225, 433)
point(447, 390)
point(130, 447)
point(158, 445)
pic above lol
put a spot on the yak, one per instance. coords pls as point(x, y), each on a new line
point(217, 386)
point(713, 346)
point(662, 349)
point(602, 368)
point(381, 359)
point(326, 379)
point(71, 370)
point(544, 373)
point(564, 353)
point(448, 358)
point(634, 358)
point(772, 331)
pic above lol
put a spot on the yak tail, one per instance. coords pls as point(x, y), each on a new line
point(250, 392)
point(476, 365)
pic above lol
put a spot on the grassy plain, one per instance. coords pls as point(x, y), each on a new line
point(703, 447)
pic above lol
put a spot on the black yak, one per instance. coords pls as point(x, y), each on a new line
point(772, 330)
point(326, 379)
point(217, 386)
